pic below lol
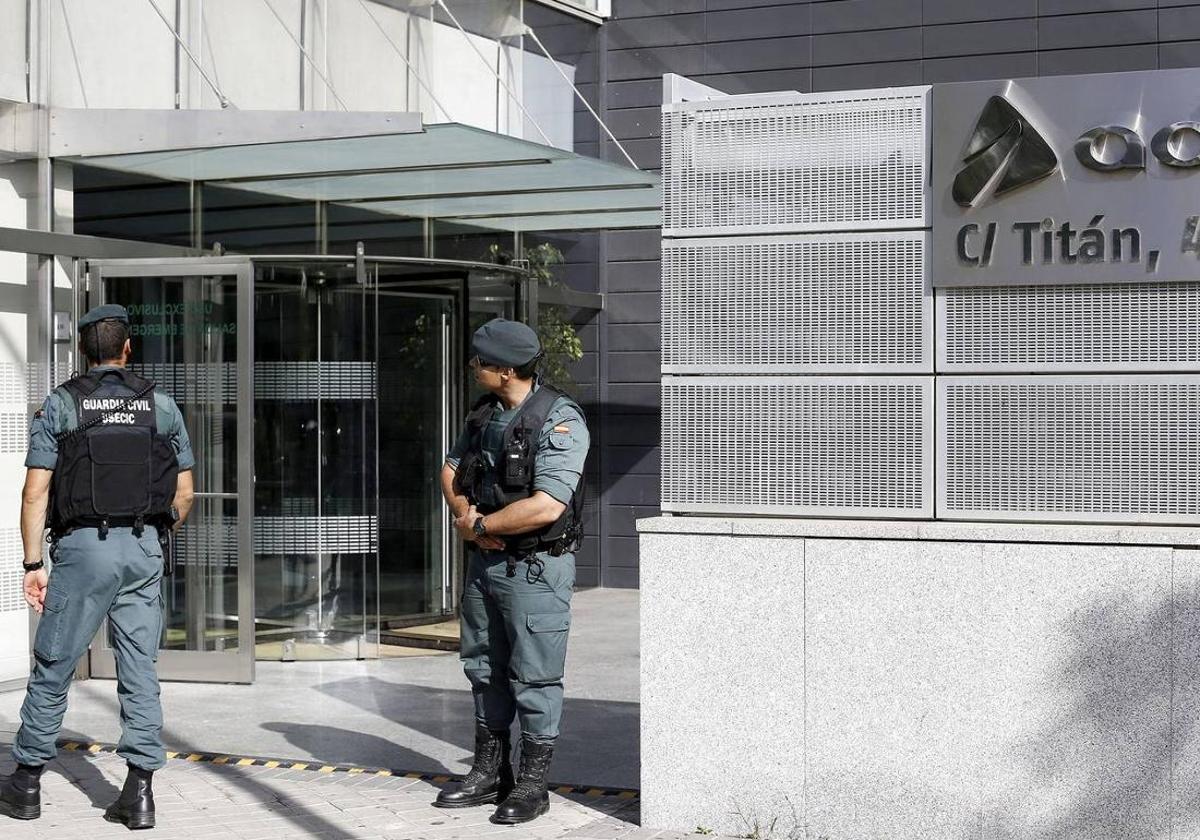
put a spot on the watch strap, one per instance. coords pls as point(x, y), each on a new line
point(33, 567)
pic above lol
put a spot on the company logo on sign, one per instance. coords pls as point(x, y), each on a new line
point(1046, 181)
point(1005, 152)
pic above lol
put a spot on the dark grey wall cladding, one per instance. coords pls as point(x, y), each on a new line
point(752, 46)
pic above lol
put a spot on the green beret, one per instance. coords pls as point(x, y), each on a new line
point(505, 343)
point(107, 312)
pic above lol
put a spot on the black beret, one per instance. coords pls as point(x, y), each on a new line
point(505, 343)
point(107, 312)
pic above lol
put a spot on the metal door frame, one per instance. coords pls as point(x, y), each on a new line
point(191, 665)
point(447, 406)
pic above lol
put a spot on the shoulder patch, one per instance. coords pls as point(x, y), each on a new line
point(39, 414)
point(562, 429)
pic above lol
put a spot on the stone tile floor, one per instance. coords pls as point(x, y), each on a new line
point(198, 800)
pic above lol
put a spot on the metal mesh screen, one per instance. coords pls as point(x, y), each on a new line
point(796, 162)
point(830, 303)
point(1133, 326)
point(1107, 449)
point(845, 446)
point(11, 554)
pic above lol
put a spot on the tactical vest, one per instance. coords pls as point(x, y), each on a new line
point(512, 480)
point(114, 468)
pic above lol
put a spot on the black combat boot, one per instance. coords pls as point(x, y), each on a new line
point(135, 806)
point(529, 799)
point(21, 793)
point(491, 777)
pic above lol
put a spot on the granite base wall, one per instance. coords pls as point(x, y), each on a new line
point(899, 688)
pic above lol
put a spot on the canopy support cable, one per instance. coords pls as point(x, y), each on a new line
point(586, 104)
point(225, 101)
point(494, 72)
point(404, 58)
point(304, 52)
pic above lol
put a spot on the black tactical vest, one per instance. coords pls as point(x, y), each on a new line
point(513, 477)
point(114, 468)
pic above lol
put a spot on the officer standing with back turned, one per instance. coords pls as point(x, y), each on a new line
point(109, 472)
point(513, 482)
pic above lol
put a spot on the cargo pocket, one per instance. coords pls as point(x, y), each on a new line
point(540, 653)
point(48, 642)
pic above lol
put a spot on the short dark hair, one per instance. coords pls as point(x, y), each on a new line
point(103, 340)
point(529, 369)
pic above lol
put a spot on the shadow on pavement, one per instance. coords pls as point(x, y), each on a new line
point(598, 747)
point(343, 746)
point(83, 775)
point(75, 769)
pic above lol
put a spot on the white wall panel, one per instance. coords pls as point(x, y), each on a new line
point(249, 55)
point(17, 185)
point(458, 78)
point(14, 414)
point(364, 67)
point(12, 50)
point(115, 54)
point(548, 98)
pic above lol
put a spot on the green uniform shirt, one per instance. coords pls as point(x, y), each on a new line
point(57, 415)
point(562, 448)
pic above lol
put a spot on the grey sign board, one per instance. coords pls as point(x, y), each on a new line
point(1068, 179)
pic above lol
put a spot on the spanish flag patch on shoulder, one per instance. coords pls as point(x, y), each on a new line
point(561, 429)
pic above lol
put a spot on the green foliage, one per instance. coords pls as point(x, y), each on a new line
point(560, 341)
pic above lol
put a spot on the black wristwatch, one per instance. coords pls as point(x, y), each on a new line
point(33, 567)
point(479, 528)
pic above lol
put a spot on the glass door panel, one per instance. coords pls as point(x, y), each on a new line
point(414, 394)
point(317, 498)
point(191, 334)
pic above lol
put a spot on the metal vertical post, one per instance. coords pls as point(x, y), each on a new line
point(322, 223)
point(178, 56)
point(196, 203)
point(303, 38)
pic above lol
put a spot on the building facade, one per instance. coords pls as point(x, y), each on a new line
point(308, 206)
point(752, 46)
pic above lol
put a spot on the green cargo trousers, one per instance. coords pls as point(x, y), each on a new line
point(514, 640)
point(119, 577)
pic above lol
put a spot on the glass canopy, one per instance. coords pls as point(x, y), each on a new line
point(448, 172)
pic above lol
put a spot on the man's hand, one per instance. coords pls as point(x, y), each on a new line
point(465, 525)
point(34, 585)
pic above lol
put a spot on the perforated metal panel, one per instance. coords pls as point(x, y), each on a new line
point(825, 446)
point(778, 163)
point(1135, 326)
point(11, 555)
point(15, 386)
point(817, 303)
point(1069, 448)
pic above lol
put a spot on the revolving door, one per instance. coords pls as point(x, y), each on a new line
point(348, 382)
point(353, 400)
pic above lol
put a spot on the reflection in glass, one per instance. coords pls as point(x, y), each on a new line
point(184, 337)
point(316, 497)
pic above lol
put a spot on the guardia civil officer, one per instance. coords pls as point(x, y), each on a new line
point(513, 484)
point(109, 472)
